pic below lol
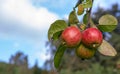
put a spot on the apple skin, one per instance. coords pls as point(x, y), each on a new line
point(72, 36)
point(84, 52)
point(92, 37)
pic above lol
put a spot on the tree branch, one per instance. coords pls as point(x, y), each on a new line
point(89, 15)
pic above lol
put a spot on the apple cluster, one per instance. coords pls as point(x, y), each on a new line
point(86, 42)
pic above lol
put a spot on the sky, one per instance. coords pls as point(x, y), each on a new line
point(24, 25)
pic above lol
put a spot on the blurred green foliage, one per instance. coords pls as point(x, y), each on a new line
point(18, 64)
point(95, 69)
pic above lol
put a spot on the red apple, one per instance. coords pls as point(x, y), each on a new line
point(72, 36)
point(92, 37)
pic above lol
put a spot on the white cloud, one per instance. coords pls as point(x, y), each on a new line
point(42, 55)
point(19, 18)
point(25, 15)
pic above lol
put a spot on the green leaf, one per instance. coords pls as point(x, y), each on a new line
point(57, 35)
point(106, 49)
point(87, 4)
point(107, 23)
point(58, 25)
point(58, 55)
point(107, 28)
point(85, 18)
point(73, 18)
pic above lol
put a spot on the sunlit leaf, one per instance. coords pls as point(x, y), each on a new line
point(107, 23)
point(106, 49)
point(58, 55)
point(57, 26)
point(80, 10)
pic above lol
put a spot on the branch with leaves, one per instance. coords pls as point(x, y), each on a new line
point(85, 37)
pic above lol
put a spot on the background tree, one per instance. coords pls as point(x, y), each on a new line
point(19, 59)
point(36, 69)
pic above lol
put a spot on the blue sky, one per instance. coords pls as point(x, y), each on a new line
point(24, 25)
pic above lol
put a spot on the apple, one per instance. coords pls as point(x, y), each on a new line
point(72, 36)
point(92, 37)
point(85, 52)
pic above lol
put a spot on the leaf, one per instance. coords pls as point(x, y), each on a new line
point(80, 10)
point(73, 18)
point(57, 35)
point(85, 18)
point(87, 4)
point(107, 28)
point(106, 49)
point(58, 55)
point(57, 26)
point(107, 23)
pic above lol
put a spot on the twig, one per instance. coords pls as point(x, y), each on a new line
point(79, 1)
point(89, 15)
